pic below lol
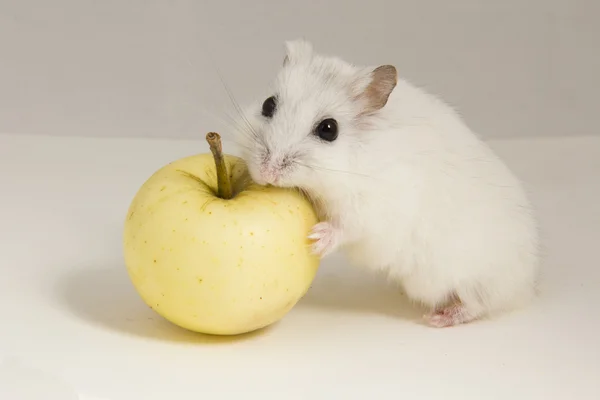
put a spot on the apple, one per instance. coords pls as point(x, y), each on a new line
point(212, 251)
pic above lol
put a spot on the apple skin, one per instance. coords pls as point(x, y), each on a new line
point(216, 266)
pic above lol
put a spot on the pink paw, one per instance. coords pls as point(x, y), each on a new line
point(452, 315)
point(326, 238)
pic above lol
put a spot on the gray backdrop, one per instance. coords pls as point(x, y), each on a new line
point(149, 68)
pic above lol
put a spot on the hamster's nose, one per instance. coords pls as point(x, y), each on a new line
point(269, 173)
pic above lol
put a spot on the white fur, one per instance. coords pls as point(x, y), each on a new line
point(409, 190)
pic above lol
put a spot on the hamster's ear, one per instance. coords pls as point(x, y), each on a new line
point(377, 89)
point(297, 50)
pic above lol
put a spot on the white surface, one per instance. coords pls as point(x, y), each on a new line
point(71, 322)
point(147, 68)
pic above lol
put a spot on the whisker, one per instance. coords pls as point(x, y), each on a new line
point(224, 118)
point(241, 125)
point(332, 170)
point(230, 122)
point(236, 105)
point(236, 125)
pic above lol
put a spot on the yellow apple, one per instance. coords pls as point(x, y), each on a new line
point(216, 265)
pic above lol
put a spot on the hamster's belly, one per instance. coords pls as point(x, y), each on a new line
point(382, 253)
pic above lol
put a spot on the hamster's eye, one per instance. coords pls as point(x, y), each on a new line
point(327, 130)
point(269, 106)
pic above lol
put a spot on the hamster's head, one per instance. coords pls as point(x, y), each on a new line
point(308, 129)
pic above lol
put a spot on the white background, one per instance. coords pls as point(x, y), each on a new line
point(71, 322)
point(148, 67)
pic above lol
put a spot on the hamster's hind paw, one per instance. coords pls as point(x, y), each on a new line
point(451, 315)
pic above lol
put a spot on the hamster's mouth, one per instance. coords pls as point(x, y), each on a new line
point(268, 176)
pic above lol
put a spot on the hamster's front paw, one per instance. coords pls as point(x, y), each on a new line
point(327, 238)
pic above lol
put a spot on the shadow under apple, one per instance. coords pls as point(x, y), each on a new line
point(105, 297)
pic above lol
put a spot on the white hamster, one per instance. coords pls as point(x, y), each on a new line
point(400, 182)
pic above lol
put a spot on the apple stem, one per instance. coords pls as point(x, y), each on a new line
point(223, 181)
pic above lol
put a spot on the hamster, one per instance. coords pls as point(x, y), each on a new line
point(401, 184)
